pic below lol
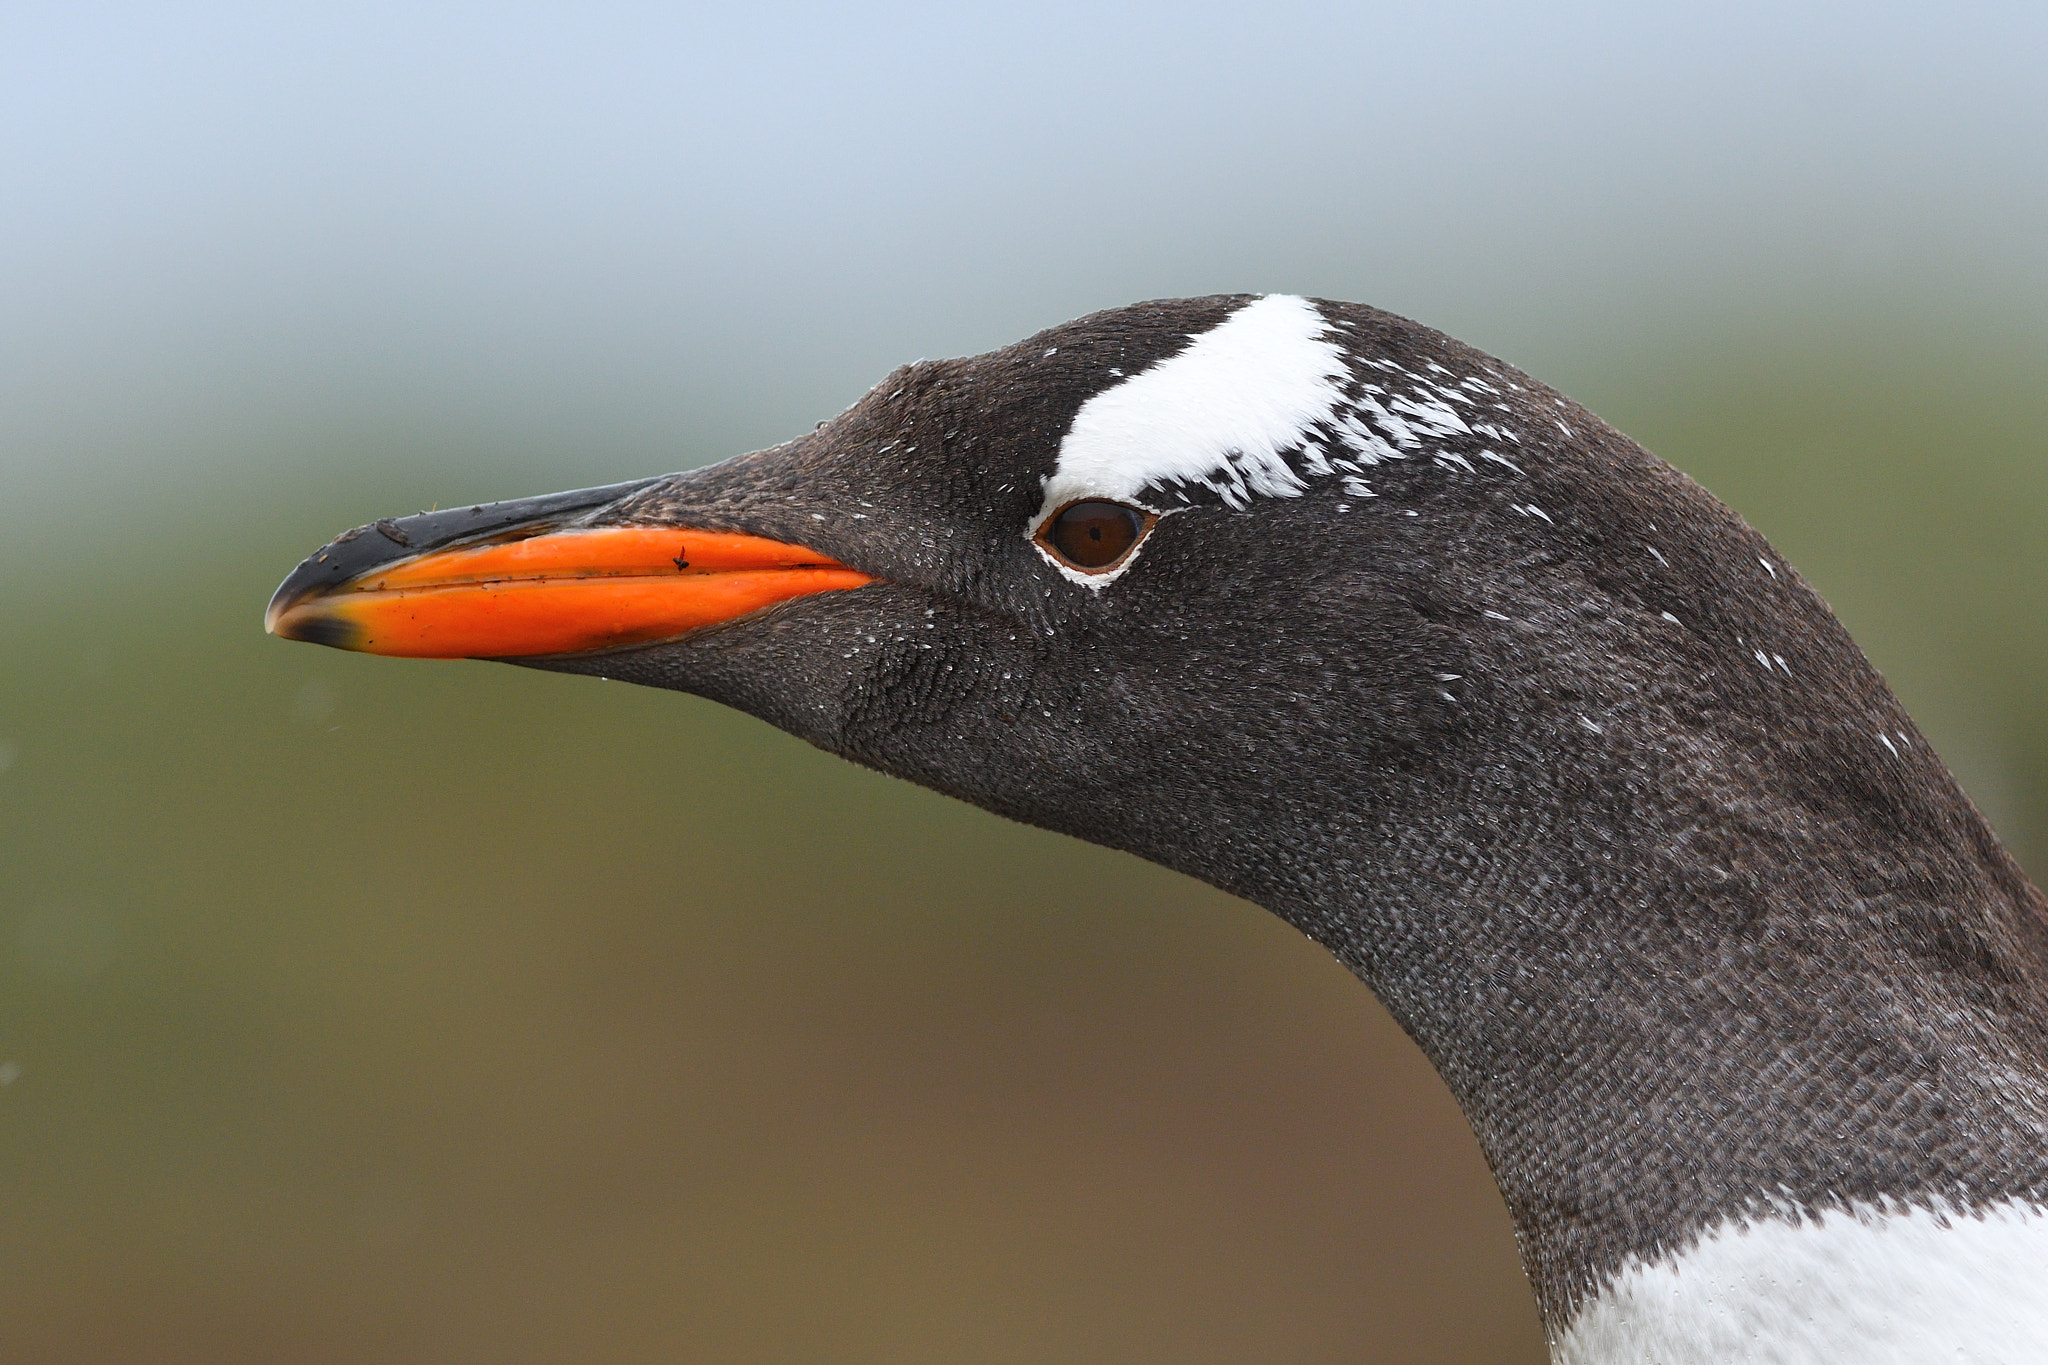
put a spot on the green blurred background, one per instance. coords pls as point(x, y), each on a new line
point(361, 1010)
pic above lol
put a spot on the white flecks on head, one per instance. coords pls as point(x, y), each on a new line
point(1363, 426)
point(1431, 413)
point(1669, 617)
point(1767, 566)
point(1868, 1285)
point(1500, 459)
point(1886, 740)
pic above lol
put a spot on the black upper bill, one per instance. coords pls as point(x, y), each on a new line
point(355, 553)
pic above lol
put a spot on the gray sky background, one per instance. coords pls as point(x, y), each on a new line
point(641, 237)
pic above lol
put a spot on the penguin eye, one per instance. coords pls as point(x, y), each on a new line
point(1094, 536)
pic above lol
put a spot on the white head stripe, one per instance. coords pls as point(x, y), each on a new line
point(1236, 397)
point(1259, 406)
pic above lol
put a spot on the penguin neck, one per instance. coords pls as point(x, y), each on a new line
point(1670, 991)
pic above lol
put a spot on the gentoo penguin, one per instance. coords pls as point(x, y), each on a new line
point(1746, 1003)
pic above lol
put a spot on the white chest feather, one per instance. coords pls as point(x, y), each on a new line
point(1862, 1288)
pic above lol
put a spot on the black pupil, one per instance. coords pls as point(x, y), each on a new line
point(1095, 535)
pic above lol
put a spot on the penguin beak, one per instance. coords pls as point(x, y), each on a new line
point(421, 588)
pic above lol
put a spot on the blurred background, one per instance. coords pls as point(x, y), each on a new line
point(354, 1009)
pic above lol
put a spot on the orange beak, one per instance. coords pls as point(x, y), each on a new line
point(564, 591)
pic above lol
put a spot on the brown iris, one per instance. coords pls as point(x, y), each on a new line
point(1094, 536)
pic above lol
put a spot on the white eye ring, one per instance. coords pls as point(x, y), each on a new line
point(1042, 528)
